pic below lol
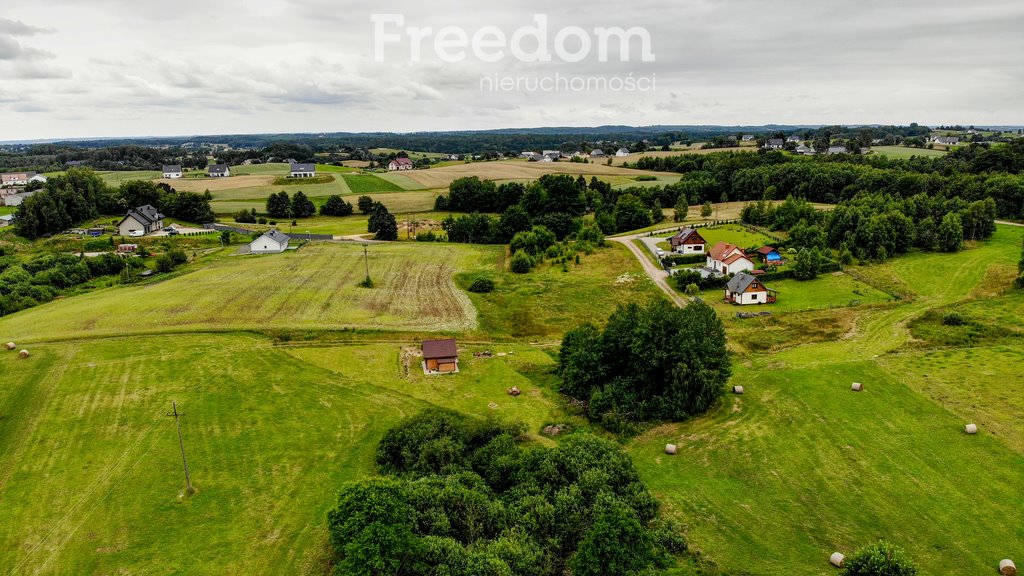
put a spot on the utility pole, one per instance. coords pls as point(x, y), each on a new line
point(366, 258)
point(181, 444)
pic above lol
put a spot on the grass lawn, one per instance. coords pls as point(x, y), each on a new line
point(833, 290)
point(546, 302)
point(332, 169)
point(367, 183)
point(90, 470)
point(312, 288)
point(116, 178)
point(902, 152)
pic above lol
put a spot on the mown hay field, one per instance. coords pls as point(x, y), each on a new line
point(313, 288)
point(513, 170)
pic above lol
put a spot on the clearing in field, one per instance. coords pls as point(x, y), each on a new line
point(313, 288)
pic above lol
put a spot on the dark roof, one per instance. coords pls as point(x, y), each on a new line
point(402, 161)
point(145, 214)
point(776, 141)
point(439, 349)
point(172, 168)
point(301, 167)
point(741, 282)
point(683, 235)
point(277, 236)
point(218, 168)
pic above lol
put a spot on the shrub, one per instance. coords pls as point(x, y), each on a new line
point(879, 559)
point(953, 319)
point(521, 262)
point(164, 263)
point(482, 286)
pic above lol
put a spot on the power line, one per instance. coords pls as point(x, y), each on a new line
point(181, 444)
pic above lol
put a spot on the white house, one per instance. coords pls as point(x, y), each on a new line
point(15, 198)
point(219, 171)
point(172, 171)
point(794, 139)
point(775, 143)
point(301, 170)
point(141, 221)
point(726, 259)
point(400, 164)
point(744, 289)
point(622, 152)
point(747, 138)
point(273, 242)
point(20, 178)
point(687, 241)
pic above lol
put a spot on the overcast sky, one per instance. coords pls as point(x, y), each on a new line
point(129, 68)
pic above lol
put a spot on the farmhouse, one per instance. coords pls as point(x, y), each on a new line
point(219, 171)
point(726, 259)
point(20, 178)
point(440, 356)
point(302, 170)
point(747, 138)
point(15, 198)
point(744, 289)
point(687, 241)
point(141, 221)
point(947, 140)
point(272, 242)
point(837, 150)
point(769, 255)
point(622, 152)
point(400, 164)
point(775, 143)
point(172, 171)
point(597, 153)
point(794, 139)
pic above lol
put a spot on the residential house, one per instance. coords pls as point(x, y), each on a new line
point(302, 170)
point(440, 356)
point(726, 259)
point(775, 143)
point(219, 171)
point(687, 241)
point(804, 150)
point(744, 289)
point(400, 164)
point(272, 242)
point(769, 255)
point(526, 154)
point(19, 178)
point(145, 219)
point(16, 197)
point(747, 138)
point(172, 171)
point(947, 140)
point(837, 150)
point(622, 152)
point(597, 153)
point(794, 139)
point(552, 153)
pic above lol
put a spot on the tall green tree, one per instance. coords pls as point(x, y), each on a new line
point(302, 207)
point(279, 205)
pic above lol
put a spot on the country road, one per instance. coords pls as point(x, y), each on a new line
point(656, 274)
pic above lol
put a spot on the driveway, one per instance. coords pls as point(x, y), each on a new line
point(657, 275)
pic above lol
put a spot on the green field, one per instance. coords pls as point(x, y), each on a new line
point(367, 183)
point(902, 152)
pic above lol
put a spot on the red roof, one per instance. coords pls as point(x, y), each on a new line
point(402, 161)
point(721, 249)
point(735, 257)
point(766, 250)
point(439, 349)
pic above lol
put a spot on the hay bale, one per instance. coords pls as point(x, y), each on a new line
point(670, 449)
point(737, 389)
point(514, 391)
point(1007, 567)
point(11, 345)
point(837, 559)
point(23, 354)
point(857, 387)
point(971, 428)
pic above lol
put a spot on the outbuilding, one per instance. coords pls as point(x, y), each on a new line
point(440, 356)
point(272, 242)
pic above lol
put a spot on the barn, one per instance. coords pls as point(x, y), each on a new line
point(440, 356)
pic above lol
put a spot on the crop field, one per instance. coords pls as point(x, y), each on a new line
point(366, 183)
point(115, 178)
point(314, 287)
point(516, 170)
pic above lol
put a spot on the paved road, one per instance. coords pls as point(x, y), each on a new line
point(656, 274)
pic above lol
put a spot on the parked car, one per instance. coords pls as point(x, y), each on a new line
point(172, 232)
point(136, 233)
point(168, 228)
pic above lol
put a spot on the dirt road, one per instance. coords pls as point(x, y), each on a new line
point(655, 273)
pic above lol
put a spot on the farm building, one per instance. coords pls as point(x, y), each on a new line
point(20, 178)
point(15, 198)
point(171, 171)
point(219, 171)
point(622, 152)
point(744, 289)
point(769, 255)
point(775, 143)
point(747, 138)
point(440, 356)
point(400, 164)
point(837, 150)
point(804, 150)
point(272, 242)
point(145, 219)
point(598, 153)
point(726, 259)
point(687, 241)
point(302, 170)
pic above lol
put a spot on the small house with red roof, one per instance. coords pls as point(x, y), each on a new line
point(726, 259)
point(400, 164)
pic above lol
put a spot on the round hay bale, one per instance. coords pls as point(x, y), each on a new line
point(857, 387)
point(971, 428)
point(11, 345)
point(1007, 567)
point(737, 389)
point(514, 391)
point(837, 559)
point(670, 449)
point(23, 354)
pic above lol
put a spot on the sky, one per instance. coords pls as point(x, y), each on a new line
point(73, 69)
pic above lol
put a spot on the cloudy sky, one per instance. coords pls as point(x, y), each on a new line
point(127, 68)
